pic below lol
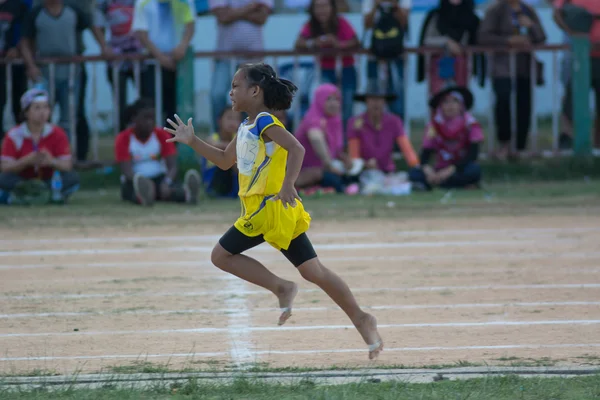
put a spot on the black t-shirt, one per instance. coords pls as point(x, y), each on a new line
point(11, 12)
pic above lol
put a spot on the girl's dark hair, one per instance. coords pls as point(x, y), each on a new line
point(278, 92)
point(316, 29)
point(133, 110)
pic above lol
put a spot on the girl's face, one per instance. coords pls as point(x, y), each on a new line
point(332, 105)
point(38, 112)
point(230, 121)
point(241, 94)
point(451, 107)
point(322, 10)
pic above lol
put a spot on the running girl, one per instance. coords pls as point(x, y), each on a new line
point(269, 159)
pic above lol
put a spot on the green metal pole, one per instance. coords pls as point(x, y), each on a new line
point(581, 82)
point(185, 98)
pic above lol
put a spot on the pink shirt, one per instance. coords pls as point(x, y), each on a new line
point(345, 32)
point(450, 152)
point(593, 6)
point(377, 143)
point(311, 159)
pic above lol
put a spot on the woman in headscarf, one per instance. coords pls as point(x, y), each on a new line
point(451, 26)
point(321, 133)
point(454, 136)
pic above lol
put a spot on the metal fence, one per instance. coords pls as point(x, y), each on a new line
point(296, 57)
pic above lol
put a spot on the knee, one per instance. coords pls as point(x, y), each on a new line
point(312, 271)
point(219, 256)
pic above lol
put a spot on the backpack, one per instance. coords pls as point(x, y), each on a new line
point(387, 40)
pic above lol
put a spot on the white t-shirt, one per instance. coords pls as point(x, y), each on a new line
point(367, 5)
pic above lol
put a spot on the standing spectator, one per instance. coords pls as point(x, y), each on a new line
point(165, 28)
point(51, 30)
point(239, 28)
point(34, 151)
point(149, 163)
point(326, 29)
point(511, 23)
point(451, 26)
point(12, 14)
point(373, 12)
point(571, 28)
point(454, 136)
point(116, 16)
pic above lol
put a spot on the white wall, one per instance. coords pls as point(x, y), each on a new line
point(280, 33)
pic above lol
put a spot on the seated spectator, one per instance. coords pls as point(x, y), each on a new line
point(326, 29)
point(36, 151)
point(218, 182)
point(454, 136)
point(149, 163)
point(373, 134)
point(451, 26)
point(321, 134)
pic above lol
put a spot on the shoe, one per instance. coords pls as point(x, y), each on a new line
point(565, 142)
point(192, 184)
point(144, 190)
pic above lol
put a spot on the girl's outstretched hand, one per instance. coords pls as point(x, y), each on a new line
point(182, 133)
point(287, 195)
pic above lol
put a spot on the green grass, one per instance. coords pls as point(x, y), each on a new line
point(491, 388)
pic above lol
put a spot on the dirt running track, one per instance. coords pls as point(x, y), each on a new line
point(444, 291)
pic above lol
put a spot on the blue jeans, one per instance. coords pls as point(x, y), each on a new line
point(219, 89)
point(469, 175)
point(61, 93)
point(394, 85)
point(348, 84)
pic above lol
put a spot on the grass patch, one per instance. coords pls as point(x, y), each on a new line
point(491, 388)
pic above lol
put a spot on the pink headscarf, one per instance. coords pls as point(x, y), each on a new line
point(316, 117)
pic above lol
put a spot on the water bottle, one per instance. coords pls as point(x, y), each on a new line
point(56, 186)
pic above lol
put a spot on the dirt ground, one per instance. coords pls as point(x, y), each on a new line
point(485, 290)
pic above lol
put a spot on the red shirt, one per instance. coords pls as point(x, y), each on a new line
point(18, 143)
point(147, 156)
point(345, 32)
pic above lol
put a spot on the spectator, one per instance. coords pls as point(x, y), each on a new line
point(321, 134)
point(51, 30)
point(218, 182)
point(593, 7)
point(373, 11)
point(454, 136)
point(12, 13)
point(515, 24)
point(82, 127)
point(239, 28)
point(165, 29)
point(149, 163)
point(451, 26)
point(373, 134)
point(117, 17)
point(35, 151)
point(326, 29)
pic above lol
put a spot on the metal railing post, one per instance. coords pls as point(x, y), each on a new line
point(581, 82)
point(72, 105)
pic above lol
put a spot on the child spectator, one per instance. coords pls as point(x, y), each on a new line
point(321, 134)
point(218, 182)
point(34, 151)
point(326, 29)
point(149, 163)
point(454, 136)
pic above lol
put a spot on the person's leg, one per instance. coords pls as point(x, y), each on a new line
point(70, 181)
point(221, 82)
point(418, 179)
point(8, 182)
point(62, 100)
point(82, 126)
point(128, 192)
point(227, 256)
point(169, 89)
point(309, 177)
point(147, 80)
point(470, 175)
point(595, 67)
point(523, 112)
point(502, 114)
point(19, 82)
point(329, 76)
point(348, 91)
point(331, 180)
point(303, 256)
point(2, 98)
point(396, 74)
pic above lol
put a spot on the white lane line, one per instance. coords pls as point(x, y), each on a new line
point(243, 311)
point(290, 352)
point(264, 292)
point(338, 246)
point(238, 324)
point(201, 263)
point(211, 238)
point(304, 328)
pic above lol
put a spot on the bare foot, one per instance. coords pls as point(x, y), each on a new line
point(367, 327)
point(286, 296)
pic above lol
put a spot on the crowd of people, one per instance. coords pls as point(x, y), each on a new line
point(345, 153)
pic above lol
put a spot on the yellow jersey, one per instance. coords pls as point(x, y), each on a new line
point(262, 168)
